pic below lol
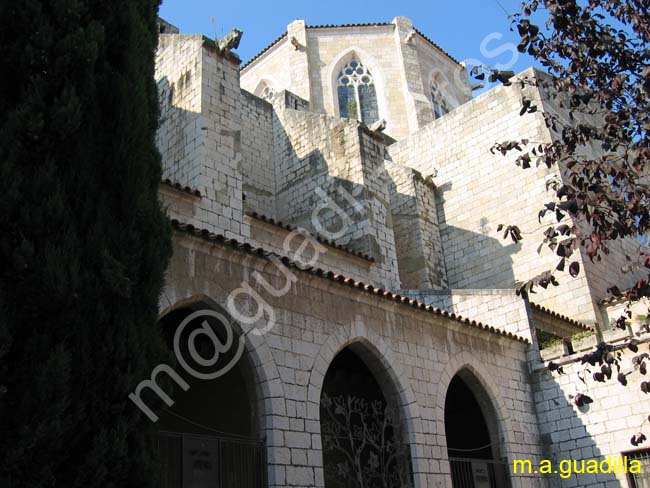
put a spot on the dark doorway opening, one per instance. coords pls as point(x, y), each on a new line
point(467, 432)
point(473, 437)
point(362, 432)
point(209, 437)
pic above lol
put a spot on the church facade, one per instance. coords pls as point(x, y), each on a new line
point(335, 207)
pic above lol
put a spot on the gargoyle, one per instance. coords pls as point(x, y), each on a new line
point(230, 41)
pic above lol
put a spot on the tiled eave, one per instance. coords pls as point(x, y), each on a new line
point(327, 242)
point(631, 294)
point(185, 189)
point(556, 315)
point(220, 240)
point(344, 26)
point(263, 51)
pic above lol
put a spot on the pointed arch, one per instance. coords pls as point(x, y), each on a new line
point(440, 95)
point(372, 66)
point(264, 380)
point(487, 392)
point(267, 88)
point(389, 373)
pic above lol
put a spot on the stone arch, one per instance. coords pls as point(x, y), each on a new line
point(265, 381)
point(487, 393)
point(373, 66)
point(379, 357)
point(444, 84)
point(266, 85)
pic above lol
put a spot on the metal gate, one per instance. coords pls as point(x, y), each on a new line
point(478, 473)
point(202, 461)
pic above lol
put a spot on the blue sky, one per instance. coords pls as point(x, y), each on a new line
point(468, 29)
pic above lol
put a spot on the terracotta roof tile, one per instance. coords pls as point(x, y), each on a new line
point(334, 26)
point(327, 242)
point(276, 41)
point(179, 187)
point(362, 24)
point(338, 278)
point(640, 290)
point(560, 316)
point(437, 46)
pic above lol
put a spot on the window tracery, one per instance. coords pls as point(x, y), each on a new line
point(356, 91)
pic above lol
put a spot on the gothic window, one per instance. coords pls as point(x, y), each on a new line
point(268, 93)
point(356, 93)
point(440, 106)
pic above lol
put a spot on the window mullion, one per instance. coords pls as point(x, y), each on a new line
point(358, 98)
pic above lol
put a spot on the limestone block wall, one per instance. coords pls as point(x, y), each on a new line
point(221, 178)
point(595, 431)
point(329, 182)
point(611, 310)
point(419, 109)
point(401, 65)
point(378, 239)
point(415, 226)
point(178, 76)
point(413, 353)
point(257, 154)
point(313, 151)
point(200, 136)
point(270, 68)
point(502, 309)
point(287, 242)
point(477, 191)
point(299, 59)
point(431, 239)
point(450, 77)
point(375, 48)
point(610, 270)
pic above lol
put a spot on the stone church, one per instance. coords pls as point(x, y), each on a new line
point(340, 303)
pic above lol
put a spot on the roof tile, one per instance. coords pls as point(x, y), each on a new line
point(336, 278)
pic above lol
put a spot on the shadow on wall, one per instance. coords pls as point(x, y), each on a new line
point(474, 259)
point(563, 433)
point(178, 129)
point(322, 185)
point(332, 207)
point(324, 189)
point(566, 440)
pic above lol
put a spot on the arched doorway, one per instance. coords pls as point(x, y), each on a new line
point(473, 439)
point(362, 431)
point(209, 437)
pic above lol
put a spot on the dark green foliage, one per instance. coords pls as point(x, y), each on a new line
point(84, 243)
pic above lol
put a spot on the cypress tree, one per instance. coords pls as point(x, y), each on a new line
point(84, 242)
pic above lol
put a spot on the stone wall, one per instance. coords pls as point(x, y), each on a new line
point(270, 68)
point(452, 78)
point(401, 69)
point(595, 431)
point(257, 154)
point(286, 242)
point(178, 75)
point(502, 309)
point(477, 191)
point(375, 48)
point(611, 270)
point(415, 226)
point(330, 181)
point(221, 177)
point(200, 134)
point(417, 351)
